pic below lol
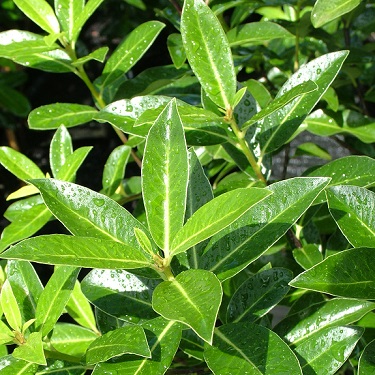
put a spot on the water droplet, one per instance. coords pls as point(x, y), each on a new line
point(98, 202)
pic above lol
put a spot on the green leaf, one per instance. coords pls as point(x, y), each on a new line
point(54, 297)
point(73, 162)
point(87, 213)
point(184, 299)
point(68, 12)
point(10, 307)
point(256, 33)
point(352, 208)
point(246, 348)
point(366, 364)
point(191, 344)
point(114, 169)
point(32, 350)
point(130, 51)
point(98, 55)
point(163, 338)
point(61, 148)
point(6, 334)
point(325, 352)
point(40, 12)
point(232, 249)
point(216, 214)
point(125, 340)
point(18, 164)
point(307, 256)
point(208, 52)
point(349, 170)
point(79, 308)
point(26, 287)
point(323, 12)
point(335, 275)
point(176, 50)
point(165, 177)
point(52, 116)
point(71, 339)
point(258, 295)
point(281, 101)
point(60, 367)
point(76, 251)
point(312, 149)
point(14, 101)
point(312, 319)
point(13, 366)
point(120, 293)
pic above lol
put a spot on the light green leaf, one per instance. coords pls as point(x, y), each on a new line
point(325, 352)
point(256, 33)
point(114, 169)
point(125, 340)
point(71, 339)
point(315, 317)
point(6, 334)
point(335, 274)
point(352, 207)
point(60, 148)
point(247, 348)
point(40, 12)
point(68, 12)
point(176, 50)
point(130, 51)
point(258, 295)
point(120, 294)
point(98, 55)
point(208, 52)
point(184, 299)
point(32, 350)
point(77, 251)
point(10, 307)
point(163, 339)
point(217, 214)
point(18, 164)
point(54, 297)
point(72, 163)
point(165, 177)
point(324, 12)
point(366, 364)
point(87, 213)
point(79, 308)
point(52, 116)
point(232, 249)
point(312, 149)
point(13, 366)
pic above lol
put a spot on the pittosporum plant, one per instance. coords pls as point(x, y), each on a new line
point(190, 278)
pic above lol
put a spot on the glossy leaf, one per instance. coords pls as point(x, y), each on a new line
point(6, 334)
point(18, 164)
point(176, 50)
point(310, 320)
point(79, 252)
point(40, 12)
point(130, 51)
point(236, 203)
point(208, 52)
point(79, 308)
point(98, 55)
point(261, 352)
point(335, 275)
point(71, 339)
point(125, 340)
point(184, 299)
point(13, 366)
point(165, 177)
point(60, 367)
point(307, 256)
point(192, 344)
point(120, 293)
point(54, 297)
point(256, 33)
point(232, 249)
point(325, 352)
point(163, 338)
point(366, 365)
point(87, 213)
point(52, 116)
point(68, 12)
point(352, 208)
point(323, 12)
point(114, 169)
point(10, 307)
point(32, 350)
point(312, 149)
point(60, 149)
point(258, 295)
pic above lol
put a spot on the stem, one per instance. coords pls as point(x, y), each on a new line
point(296, 54)
point(245, 148)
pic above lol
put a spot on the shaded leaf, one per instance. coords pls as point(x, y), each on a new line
point(366, 365)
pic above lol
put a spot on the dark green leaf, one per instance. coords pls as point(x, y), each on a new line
point(14, 101)
point(176, 50)
point(366, 365)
